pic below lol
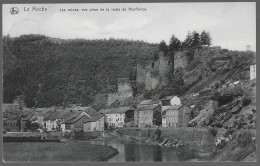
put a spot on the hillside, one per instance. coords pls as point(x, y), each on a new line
point(59, 72)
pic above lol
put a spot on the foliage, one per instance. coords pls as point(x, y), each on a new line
point(193, 65)
point(163, 47)
point(147, 94)
point(205, 38)
point(244, 138)
point(61, 72)
point(213, 131)
point(174, 44)
point(31, 126)
point(246, 100)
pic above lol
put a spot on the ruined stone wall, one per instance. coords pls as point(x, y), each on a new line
point(124, 88)
point(111, 98)
point(140, 74)
point(180, 59)
point(165, 67)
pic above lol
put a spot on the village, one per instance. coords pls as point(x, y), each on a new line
point(170, 112)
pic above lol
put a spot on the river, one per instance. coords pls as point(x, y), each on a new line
point(80, 151)
point(140, 152)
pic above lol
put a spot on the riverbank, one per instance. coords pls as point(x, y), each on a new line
point(77, 151)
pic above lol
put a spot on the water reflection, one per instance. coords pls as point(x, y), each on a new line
point(133, 151)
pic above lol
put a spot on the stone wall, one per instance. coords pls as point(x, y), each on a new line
point(155, 72)
point(111, 98)
point(180, 59)
point(125, 90)
point(165, 67)
point(199, 138)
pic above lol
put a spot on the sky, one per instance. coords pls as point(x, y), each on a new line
point(232, 25)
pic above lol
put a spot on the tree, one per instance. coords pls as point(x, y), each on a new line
point(163, 47)
point(195, 39)
point(174, 44)
point(188, 41)
point(205, 38)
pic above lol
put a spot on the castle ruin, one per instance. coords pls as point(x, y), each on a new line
point(155, 73)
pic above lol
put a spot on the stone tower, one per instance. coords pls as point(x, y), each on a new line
point(155, 72)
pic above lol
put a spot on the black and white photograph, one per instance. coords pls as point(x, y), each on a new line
point(129, 82)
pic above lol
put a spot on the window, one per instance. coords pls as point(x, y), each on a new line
point(152, 65)
point(169, 62)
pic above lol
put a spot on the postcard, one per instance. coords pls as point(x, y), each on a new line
point(129, 82)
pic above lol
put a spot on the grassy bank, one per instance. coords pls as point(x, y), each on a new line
point(78, 151)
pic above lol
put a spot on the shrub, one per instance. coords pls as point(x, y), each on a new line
point(217, 84)
point(213, 131)
point(244, 138)
point(246, 100)
point(148, 94)
point(193, 65)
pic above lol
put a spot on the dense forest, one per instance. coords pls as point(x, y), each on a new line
point(49, 71)
point(55, 72)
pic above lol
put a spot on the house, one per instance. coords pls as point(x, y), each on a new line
point(96, 123)
point(170, 101)
point(253, 71)
point(51, 121)
point(178, 116)
point(164, 119)
point(9, 107)
point(118, 117)
point(25, 117)
point(11, 124)
point(75, 123)
point(142, 104)
point(149, 116)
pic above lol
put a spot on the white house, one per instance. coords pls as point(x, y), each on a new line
point(51, 121)
point(253, 71)
point(164, 121)
point(170, 101)
point(117, 117)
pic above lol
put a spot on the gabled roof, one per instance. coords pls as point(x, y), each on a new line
point(147, 107)
point(67, 115)
point(94, 118)
point(118, 110)
point(155, 102)
point(75, 119)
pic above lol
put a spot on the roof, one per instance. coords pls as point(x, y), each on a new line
point(13, 118)
point(168, 97)
point(144, 102)
point(69, 114)
point(155, 102)
point(94, 118)
point(90, 111)
point(174, 107)
point(51, 115)
point(75, 119)
point(118, 110)
point(147, 107)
